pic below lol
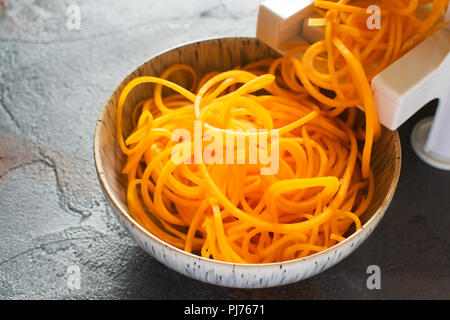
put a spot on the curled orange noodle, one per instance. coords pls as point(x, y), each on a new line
point(212, 198)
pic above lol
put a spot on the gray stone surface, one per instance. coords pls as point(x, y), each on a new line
point(53, 83)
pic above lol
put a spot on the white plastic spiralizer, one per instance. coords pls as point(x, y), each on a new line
point(418, 77)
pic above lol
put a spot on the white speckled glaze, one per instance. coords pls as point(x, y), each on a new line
point(223, 273)
point(244, 275)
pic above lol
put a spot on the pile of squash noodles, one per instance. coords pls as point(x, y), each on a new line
point(307, 99)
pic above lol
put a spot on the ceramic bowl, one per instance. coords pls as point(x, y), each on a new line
point(224, 54)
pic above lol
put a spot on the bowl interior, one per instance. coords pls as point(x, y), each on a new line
point(206, 56)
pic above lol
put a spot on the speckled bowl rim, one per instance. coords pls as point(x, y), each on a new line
point(124, 211)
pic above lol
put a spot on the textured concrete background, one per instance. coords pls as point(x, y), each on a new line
point(53, 83)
